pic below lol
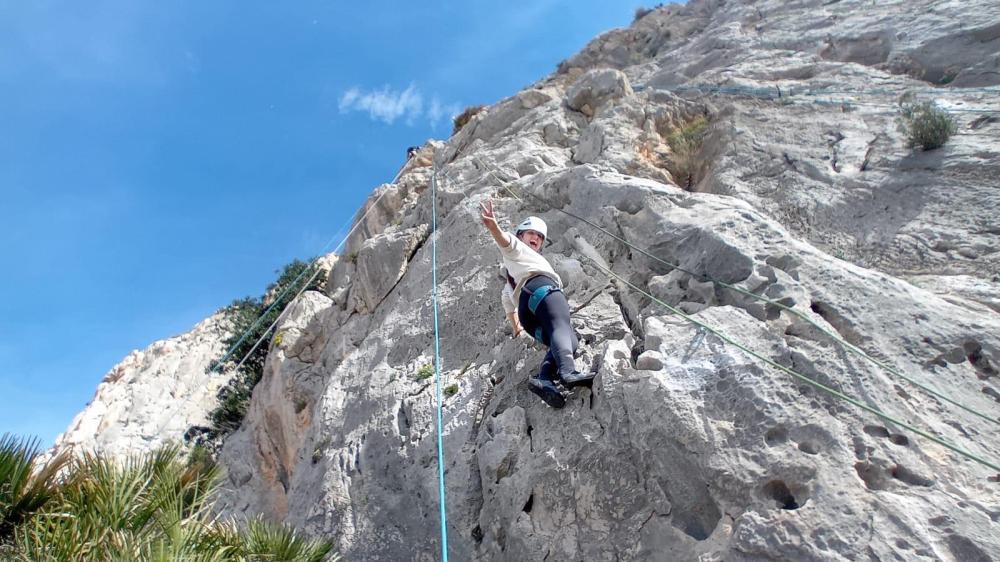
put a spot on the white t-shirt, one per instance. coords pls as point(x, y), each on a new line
point(522, 263)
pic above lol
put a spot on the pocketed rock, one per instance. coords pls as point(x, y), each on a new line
point(686, 447)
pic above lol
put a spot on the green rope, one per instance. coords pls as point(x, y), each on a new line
point(836, 338)
point(803, 378)
point(752, 353)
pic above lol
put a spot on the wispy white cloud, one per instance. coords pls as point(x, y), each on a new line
point(388, 105)
point(437, 110)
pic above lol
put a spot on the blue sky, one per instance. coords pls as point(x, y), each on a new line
point(160, 159)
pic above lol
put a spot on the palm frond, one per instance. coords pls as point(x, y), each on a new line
point(148, 508)
point(267, 541)
point(24, 488)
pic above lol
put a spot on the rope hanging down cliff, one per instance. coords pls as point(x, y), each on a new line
point(437, 369)
point(706, 278)
point(837, 394)
point(284, 291)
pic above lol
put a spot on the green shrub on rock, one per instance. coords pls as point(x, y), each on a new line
point(250, 319)
point(685, 144)
point(424, 372)
point(925, 125)
point(464, 117)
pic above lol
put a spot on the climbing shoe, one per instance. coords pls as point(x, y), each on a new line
point(547, 391)
point(576, 378)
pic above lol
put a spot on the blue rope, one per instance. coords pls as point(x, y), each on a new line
point(437, 368)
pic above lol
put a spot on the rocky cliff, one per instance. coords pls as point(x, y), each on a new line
point(153, 396)
point(799, 188)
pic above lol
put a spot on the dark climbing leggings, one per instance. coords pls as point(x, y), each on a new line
point(551, 321)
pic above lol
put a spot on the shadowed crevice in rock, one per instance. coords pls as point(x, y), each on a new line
point(685, 448)
point(778, 491)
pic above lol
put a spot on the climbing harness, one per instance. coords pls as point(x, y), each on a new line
point(437, 368)
point(704, 277)
point(539, 294)
point(807, 380)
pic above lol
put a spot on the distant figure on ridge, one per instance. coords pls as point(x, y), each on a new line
point(534, 301)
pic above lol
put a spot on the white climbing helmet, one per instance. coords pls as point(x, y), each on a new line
point(533, 223)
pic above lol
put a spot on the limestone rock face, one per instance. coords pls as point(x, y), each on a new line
point(798, 187)
point(153, 396)
point(381, 262)
point(595, 88)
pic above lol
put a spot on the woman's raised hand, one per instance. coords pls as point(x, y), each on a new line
point(487, 213)
point(490, 222)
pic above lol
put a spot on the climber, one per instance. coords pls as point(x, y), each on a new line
point(533, 300)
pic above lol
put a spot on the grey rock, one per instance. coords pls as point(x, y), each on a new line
point(686, 447)
point(596, 88)
point(382, 261)
point(649, 361)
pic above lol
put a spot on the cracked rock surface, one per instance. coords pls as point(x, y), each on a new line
point(686, 447)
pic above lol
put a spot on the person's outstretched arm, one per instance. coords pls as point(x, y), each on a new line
point(490, 222)
point(507, 299)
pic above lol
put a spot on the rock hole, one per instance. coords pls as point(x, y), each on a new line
point(699, 522)
point(903, 474)
point(778, 491)
point(902, 545)
point(775, 436)
point(477, 534)
point(984, 366)
point(872, 475)
point(591, 400)
point(531, 442)
point(876, 431)
point(838, 321)
point(402, 420)
point(528, 504)
point(898, 439)
point(809, 447)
